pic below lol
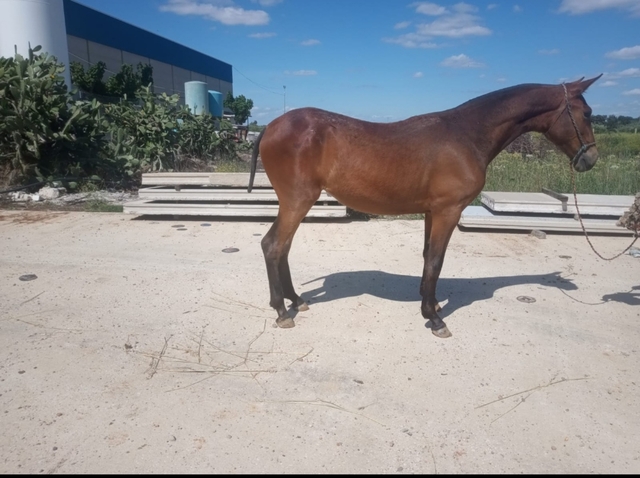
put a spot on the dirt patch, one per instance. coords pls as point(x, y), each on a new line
point(141, 348)
point(35, 217)
point(74, 202)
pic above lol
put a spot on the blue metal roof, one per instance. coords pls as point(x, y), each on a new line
point(84, 22)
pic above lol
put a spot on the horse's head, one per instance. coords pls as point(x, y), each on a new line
point(571, 130)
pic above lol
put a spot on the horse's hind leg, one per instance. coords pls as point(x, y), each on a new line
point(275, 246)
point(287, 284)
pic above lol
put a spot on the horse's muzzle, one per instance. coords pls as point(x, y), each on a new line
point(586, 160)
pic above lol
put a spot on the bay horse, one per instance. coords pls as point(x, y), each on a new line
point(434, 164)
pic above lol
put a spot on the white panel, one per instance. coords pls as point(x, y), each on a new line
point(162, 83)
point(180, 77)
point(133, 59)
point(78, 50)
point(225, 87)
point(162, 77)
point(110, 56)
point(197, 77)
point(212, 83)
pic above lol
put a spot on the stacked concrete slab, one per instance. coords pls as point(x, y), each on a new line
point(547, 212)
point(216, 194)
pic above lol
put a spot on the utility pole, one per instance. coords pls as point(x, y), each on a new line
point(284, 106)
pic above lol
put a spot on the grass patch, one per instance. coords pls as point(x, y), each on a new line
point(98, 205)
point(611, 175)
point(232, 166)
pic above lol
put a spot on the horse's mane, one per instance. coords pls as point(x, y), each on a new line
point(502, 95)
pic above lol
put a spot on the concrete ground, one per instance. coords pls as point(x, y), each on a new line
point(144, 348)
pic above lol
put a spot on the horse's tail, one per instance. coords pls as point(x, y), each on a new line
point(254, 159)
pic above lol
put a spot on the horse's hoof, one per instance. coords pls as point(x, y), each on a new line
point(285, 322)
point(442, 333)
point(302, 307)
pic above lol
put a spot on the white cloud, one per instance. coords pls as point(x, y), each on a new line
point(454, 26)
point(461, 61)
point(458, 23)
point(608, 83)
point(578, 7)
point(220, 11)
point(427, 8)
point(517, 8)
point(411, 40)
point(553, 51)
point(501, 79)
point(627, 53)
point(261, 36)
point(310, 42)
point(267, 3)
point(418, 74)
point(635, 91)
point(464, 8)
point(401, 25)
point(491, 6)
point(628, 73)
point(301, 73)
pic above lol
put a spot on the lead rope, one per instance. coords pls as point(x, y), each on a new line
point(575, 198)
point(583, 147)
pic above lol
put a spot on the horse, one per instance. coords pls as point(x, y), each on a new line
point(433, 164)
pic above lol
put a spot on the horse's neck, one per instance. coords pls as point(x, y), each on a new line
point(495, 120)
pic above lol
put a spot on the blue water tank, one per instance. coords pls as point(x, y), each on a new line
point(215, 103)
point(196, 97)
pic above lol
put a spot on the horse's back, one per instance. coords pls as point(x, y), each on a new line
point(320, 136)
point(381, 168)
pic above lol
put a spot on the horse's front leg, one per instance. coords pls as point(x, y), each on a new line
point(442, 226)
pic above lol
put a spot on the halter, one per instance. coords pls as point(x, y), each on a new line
point(583, 146)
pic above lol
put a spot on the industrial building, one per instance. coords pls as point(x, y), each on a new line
point(92, 36)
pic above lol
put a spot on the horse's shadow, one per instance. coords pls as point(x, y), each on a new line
point(631, 298)
point(402, 288)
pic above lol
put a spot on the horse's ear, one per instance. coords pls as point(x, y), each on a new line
point(580, 86)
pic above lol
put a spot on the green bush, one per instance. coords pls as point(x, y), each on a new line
point(42, 133)
point(205, 137)
point(143, 134)
point(155, 133)
point(46, 135)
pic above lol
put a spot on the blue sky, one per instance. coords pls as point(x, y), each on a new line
point(386, 60)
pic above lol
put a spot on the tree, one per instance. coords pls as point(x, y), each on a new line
point(240, 106)
point(91, 80)
point(254, 126)
point(613, 123)
point(126, 82)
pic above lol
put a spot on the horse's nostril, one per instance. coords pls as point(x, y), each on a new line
point(587, 161)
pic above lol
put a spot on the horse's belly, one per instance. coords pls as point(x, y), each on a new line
point(373, 202)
